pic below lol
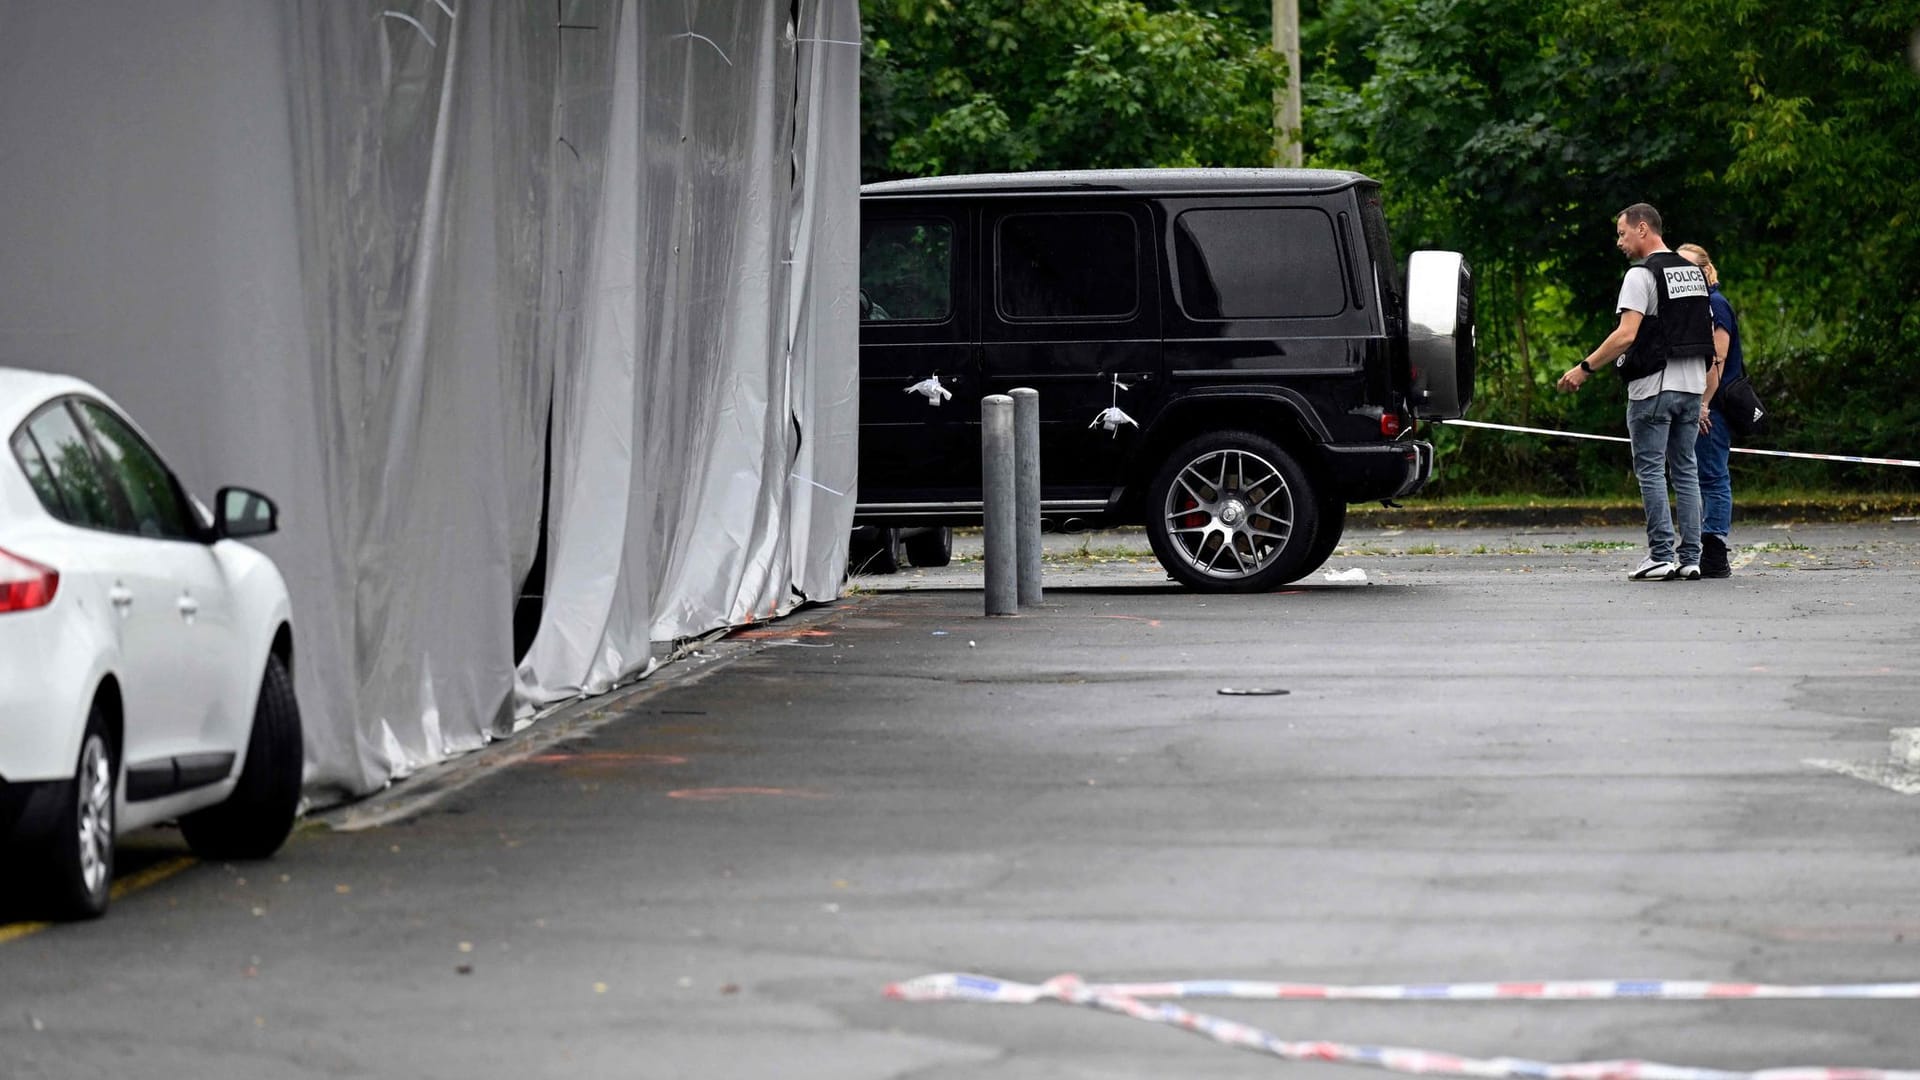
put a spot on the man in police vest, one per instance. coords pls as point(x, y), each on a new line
point(1663, 347)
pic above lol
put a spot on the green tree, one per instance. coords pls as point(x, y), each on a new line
point(1778, 133)
point(955, 86)
point(1770, 132)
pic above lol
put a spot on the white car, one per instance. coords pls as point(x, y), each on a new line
point(145, 655)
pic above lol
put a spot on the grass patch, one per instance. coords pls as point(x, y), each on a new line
point(1596, 545)
point(1086, 554)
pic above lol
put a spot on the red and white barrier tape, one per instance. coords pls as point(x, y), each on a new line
point(1738, 449)
point(1128, 999)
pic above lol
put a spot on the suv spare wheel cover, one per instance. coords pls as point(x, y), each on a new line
point(1440, 337)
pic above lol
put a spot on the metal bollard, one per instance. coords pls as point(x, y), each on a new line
point(1026, 489)
point(997, 491)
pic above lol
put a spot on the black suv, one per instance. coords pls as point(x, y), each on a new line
point(1227, 356)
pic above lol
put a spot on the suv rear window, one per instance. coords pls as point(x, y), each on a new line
point(1068, 266)
point(1258, 263)
point(906, 270)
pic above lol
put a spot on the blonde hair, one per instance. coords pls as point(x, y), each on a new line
point(1705, 260)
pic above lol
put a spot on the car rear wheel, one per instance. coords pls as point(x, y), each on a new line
point(82, 855)
point(255, 819)
point(874, 551)
point(931, 546)
point(1232, 512)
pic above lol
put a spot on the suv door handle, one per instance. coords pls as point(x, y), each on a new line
point(120, 597)
point(189, 607)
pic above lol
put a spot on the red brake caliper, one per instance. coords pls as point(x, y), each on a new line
point(1192, 521)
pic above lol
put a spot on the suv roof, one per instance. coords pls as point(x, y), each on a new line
point(1103, 181)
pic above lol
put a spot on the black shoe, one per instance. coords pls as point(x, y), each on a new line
point(1713, 557)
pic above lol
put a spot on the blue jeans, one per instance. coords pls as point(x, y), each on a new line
point(1716, 483)
point(1663, 429)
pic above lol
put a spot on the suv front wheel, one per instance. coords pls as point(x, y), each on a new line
point(1231, 511)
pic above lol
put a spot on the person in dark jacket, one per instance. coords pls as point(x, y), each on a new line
point(1716, 437)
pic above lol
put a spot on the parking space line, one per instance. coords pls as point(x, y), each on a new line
point(132, 883)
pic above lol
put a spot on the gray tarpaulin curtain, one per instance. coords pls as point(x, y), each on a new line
point(359, 255)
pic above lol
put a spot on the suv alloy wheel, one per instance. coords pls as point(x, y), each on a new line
point(1231, 511)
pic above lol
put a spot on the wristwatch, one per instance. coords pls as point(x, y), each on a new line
point(1584, 366)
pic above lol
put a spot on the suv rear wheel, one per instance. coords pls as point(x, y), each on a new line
point(1231, 511)
point(1333, 523)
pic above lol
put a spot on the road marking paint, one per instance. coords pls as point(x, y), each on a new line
point(1897, 773)
point(152, 875)
point(16, 931)
point(131, 883)
point(1886, 774)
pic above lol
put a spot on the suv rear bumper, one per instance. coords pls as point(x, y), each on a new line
point(1372, 471)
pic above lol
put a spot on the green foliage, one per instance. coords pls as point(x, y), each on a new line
point(954, 86)
point(1779, 134)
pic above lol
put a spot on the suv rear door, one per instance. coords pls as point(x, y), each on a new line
point(917, 452)
point(1266, 294)
point(1072, 301)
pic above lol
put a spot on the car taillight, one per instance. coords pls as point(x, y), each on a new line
point(25, 584)
point(1390, 425)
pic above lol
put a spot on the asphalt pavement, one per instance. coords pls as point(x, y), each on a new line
point(1495, 759)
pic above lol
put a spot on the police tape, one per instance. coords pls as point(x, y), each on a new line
point(1849, 458)
point(1129, 999)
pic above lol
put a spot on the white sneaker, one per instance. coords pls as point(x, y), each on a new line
point(1689, 573)
point(1655, 570)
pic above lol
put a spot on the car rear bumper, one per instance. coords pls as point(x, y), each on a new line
point(45, 689)
point(28, 810)
point(1371, 471)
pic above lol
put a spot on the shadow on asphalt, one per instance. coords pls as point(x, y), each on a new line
point(1154, 590)
point(20, 883)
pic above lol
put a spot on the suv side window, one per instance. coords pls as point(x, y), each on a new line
point(158, 510)
point(1068, 266)
point(1258, 263)
point(86, 497)
point(1373, 223)
point(906, 271)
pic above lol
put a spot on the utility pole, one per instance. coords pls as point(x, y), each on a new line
point(1286, 103)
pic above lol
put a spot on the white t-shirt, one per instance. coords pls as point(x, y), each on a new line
point(1685, 374)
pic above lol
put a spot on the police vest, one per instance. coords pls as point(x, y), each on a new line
point(1682, 325)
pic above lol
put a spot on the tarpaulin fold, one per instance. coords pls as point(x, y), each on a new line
point(363, 256)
